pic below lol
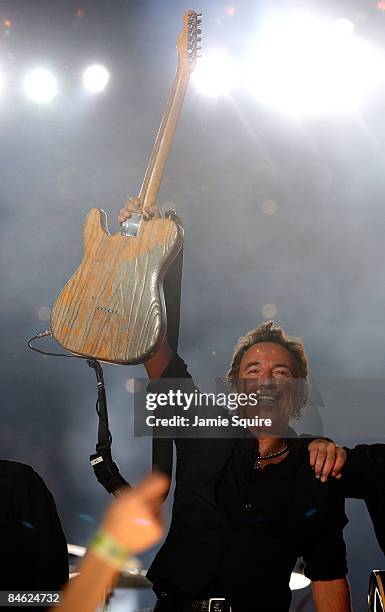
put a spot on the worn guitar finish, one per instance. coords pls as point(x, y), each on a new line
point(113, 307)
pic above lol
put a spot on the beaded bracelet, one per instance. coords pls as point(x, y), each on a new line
point(108, 549)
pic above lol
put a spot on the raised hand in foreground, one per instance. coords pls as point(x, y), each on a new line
point(131, 524)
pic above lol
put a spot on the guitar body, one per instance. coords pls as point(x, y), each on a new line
point(113, 307)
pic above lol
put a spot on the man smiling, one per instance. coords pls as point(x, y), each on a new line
point(245, 508)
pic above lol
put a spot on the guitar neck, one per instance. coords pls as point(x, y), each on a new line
point(157, 162)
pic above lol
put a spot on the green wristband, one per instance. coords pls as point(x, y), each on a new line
point(108, 549)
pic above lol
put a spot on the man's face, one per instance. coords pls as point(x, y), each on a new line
point(269, 369)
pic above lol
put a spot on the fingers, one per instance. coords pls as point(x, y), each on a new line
point(123, 215)
point(339, 463)
point(150, 212)
point(328, 464)
point(152, 488)
point(319, 463)
point(132, 206)
point(313, 454)
point(134, 518)
point(327, 459)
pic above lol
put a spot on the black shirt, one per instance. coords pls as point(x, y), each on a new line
point(264, 541)
point(364, 478)
point(237, 533)
point(33, 547)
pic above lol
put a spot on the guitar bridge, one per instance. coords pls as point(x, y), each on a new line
point(130, 227)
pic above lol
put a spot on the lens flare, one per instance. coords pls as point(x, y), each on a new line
point(305, 65)
point(215, 74)
point(95, 78)
point(40, 86)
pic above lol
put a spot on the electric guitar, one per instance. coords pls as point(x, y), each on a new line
point(113, 307)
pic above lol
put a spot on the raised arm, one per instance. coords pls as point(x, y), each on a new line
point(156, 365)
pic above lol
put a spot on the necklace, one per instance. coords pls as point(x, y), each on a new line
point(258, 465)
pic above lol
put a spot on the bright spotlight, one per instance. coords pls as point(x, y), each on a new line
point(344, 26)
point(215, 74)
point(304, 65)
point(95, 78)
point(40, 86)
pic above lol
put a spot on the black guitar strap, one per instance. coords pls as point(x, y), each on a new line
point(105, 469)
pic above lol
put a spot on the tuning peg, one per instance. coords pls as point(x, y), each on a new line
point(199, 39)
point(199, 31)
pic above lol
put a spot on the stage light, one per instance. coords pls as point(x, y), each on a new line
point(95, 78)
point(344, 26)
point(304, 65)
point(269, 311)
point(40, 86)
point(269, 207)
point(215, 74)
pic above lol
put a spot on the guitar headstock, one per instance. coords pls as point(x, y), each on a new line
point(188, 40)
